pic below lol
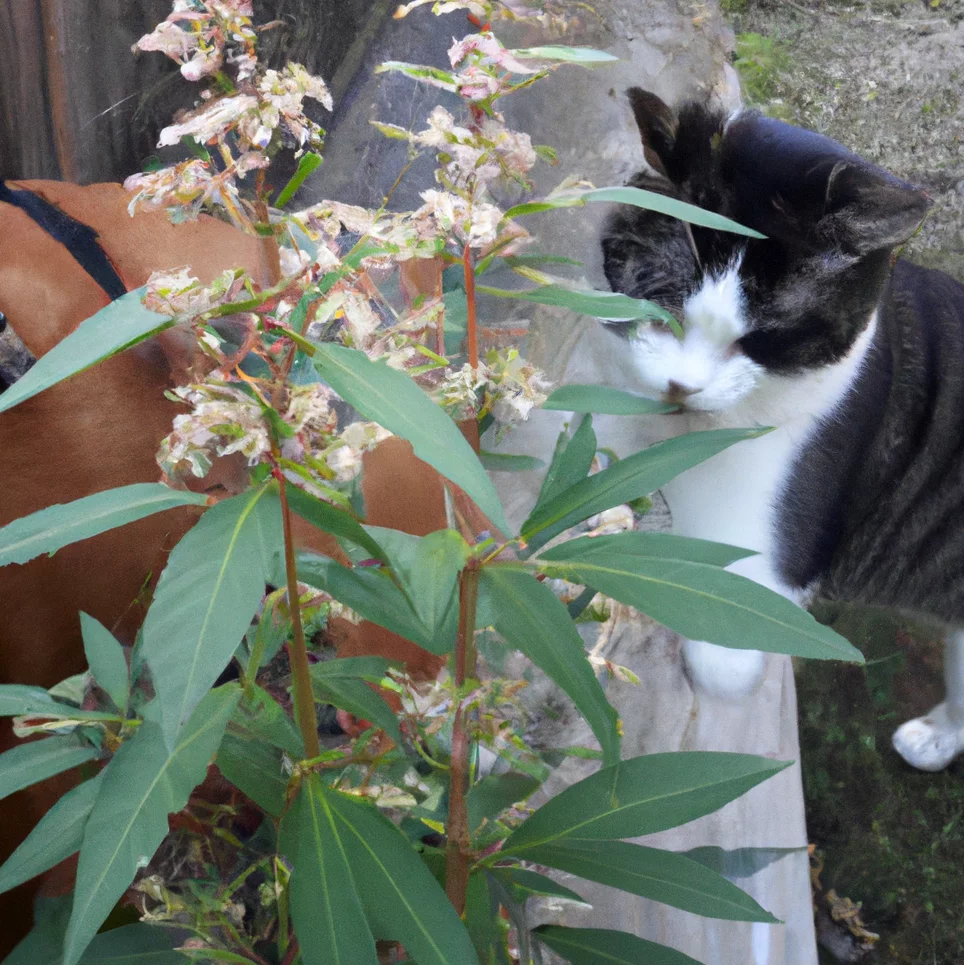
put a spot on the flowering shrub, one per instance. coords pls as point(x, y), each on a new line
point(409, 827)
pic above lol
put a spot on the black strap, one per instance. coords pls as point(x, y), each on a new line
point(79, 239)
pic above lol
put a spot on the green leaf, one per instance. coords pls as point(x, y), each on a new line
point(402, 899)
point(530, 618)
point(205, 600)
point(308, 164)
point(585, 56)
point(260, 715)
point(646, 546)
point(359, 699)
point(508, 462)
point(390, 398)
point(434, 76)
point(662, 204)
point(524, 884)
point(571, 461)
point(371, 593)
point(643, 795)
point(655, 874)
point(600, 946)
point(256, 769)
point(483, 921)
point(106, 660)
point(703, 602)
point(58, 835)
point(329, 921)
point(50, 529)
point(141, 786)
point(136, 944)
point(602, 399)
point(20, 700)
point(372, 669)
point(739, 862)
point(488, 798)
point(637, 475)
point(37, 760)
point(123, 323)
point(332, 520)
point(609, 306)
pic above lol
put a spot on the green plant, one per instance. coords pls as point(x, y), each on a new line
point(395, 835)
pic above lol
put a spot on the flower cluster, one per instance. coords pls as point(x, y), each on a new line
point(253, 115)
point(201, 34)
point(505, 386)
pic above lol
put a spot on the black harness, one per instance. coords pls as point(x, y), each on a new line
point(81, 241)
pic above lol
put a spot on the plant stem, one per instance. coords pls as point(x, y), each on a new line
point(298, 651)
point(458, 850)
point(471, 331)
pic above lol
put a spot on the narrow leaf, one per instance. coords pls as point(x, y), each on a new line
point(352, 668)
point(136, 944)
point(646, 546)
point(106, 660)
point(359, 699)
point(706, 603)
point(571, 461)
point(332, 520)
point(329, 921)
point(488, 798)
point(532, 619)
point(309, 163)
point(637, 475)
point(390, 398)
point(603, 399)
point(483, 921)
point(509, 462)
point(36, 760)
point(205, 600)
point(402, 899)
point(600, 946)
point(655, 874)
point(739, 862)
point(261, 716)
point(609, 306)
point(256, 769)
point(585, 56)
point(121, 324)
point(20, 700)
point(662, 204)
point(142, 785)
point(58, 835)
point(50, 529)
point(371, 593)
point(524, 884)
point(643, 795)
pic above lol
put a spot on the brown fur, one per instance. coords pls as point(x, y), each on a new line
point(101, 430)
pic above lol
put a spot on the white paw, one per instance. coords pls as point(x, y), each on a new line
point(931, 742)
point(723, 671)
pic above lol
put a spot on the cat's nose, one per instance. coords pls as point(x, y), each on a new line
point(677, 392)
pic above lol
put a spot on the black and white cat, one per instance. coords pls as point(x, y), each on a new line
point(858, 494)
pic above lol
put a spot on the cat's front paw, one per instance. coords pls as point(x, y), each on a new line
point(931, 742)
point(723, 671)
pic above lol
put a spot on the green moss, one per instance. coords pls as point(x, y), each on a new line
point(892, 837)
point(760, 61)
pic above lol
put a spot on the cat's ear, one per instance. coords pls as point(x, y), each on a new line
point(871, 209)
point(796, 184)
point(657, 125)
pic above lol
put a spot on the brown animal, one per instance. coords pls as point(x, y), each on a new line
point(100, 430)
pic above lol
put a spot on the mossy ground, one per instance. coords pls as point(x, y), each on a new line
point(892, 838)
point(883, 77)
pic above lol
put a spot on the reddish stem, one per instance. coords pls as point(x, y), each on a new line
point(458, 848)
point(472, 335)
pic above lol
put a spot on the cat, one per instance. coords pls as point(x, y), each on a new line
point(855, 359)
